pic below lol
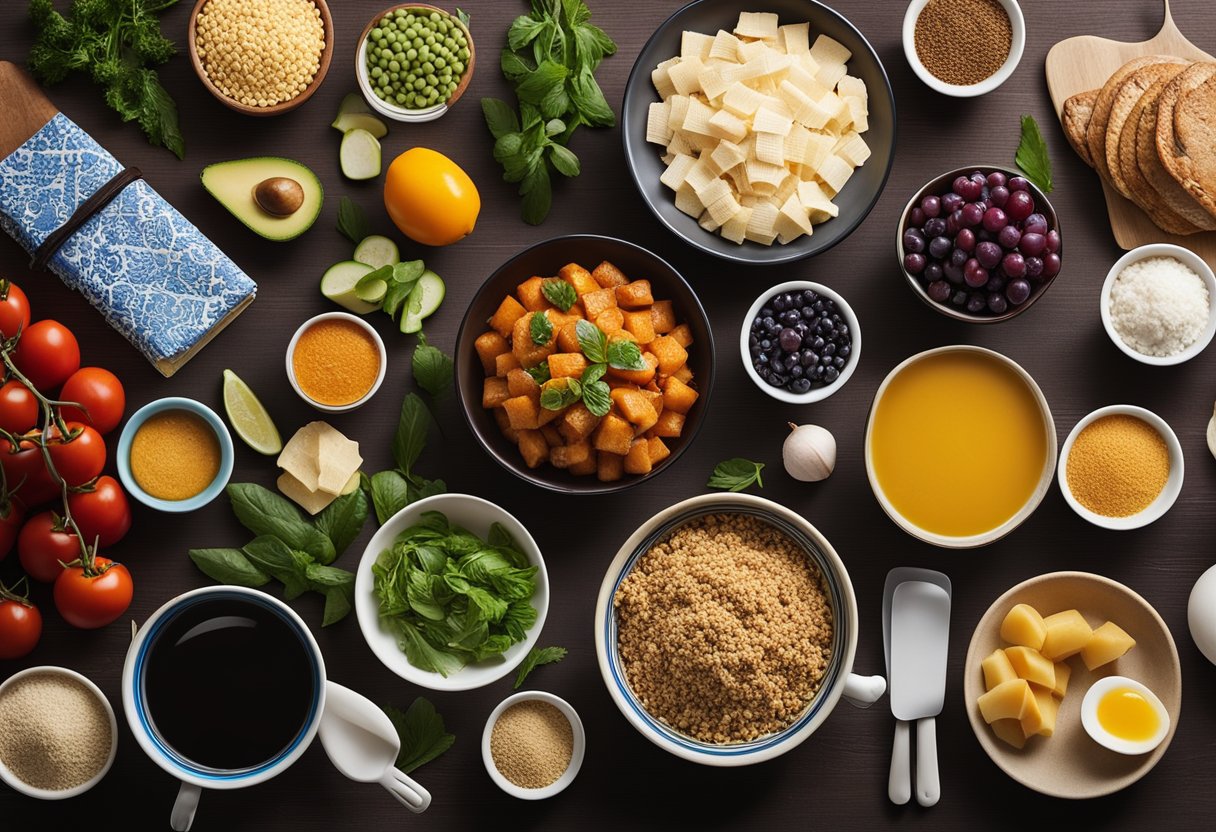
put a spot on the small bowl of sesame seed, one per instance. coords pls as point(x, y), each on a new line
point(261, 57)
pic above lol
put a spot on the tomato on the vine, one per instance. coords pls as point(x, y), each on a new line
point(101, 394)
point(26, 474)
point(11, 518)
point(43, 546)
point(18, 407)
point(80, 457)
point(47, 354)
point(20, 625)
point(92, 596)
point(102, 514)
point(14, 309)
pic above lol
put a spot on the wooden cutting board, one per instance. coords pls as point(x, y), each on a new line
point(1084, 63)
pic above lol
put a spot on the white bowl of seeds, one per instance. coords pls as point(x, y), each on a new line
point(58, 733)
point(533, 745)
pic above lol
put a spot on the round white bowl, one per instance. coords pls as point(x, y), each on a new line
point(1017, 24)
point(476, 515)
point(1089, 717)
point(345, 316)
point(60, 794)
point(1187, 257)
point(1169, 493)
point(815, 394)
point(576, 756)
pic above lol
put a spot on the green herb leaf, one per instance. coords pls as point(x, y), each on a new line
point(540, 328)
point(513, 66)
point(352, 222)
point(412, 427)
point(337, 604)
point(559, 293)
point(1032, 156)
point(588, 98)
point(418, 488)
point(537, 192)
point(408, 271)
point(736, 474)
point(276, 558)
point(265, 513)
point(390, 494)
point(422, 734)
point(545, 88)
point(228, 566)
point(597, 398)
point(563, 160)
point(539, 373)
point(625, 355)
point(523, 31)
point(559, 393)
point(592, 341)
point(463, 16)
point(500, 118)
point(535, 658)
point(327, 577)
point(343, 519)
point(432, 368)
point(593, 373)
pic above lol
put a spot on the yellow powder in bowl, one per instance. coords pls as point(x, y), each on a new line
point(1118, 465)
point(335, 362)
point(174, 455)
point(532, 743)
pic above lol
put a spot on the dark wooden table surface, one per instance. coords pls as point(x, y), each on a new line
point(838, 778)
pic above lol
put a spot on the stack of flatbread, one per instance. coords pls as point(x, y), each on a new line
point(1150, 133)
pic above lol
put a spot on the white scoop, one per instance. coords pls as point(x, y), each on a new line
point(362, 743)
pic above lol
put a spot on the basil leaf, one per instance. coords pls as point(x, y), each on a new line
point(559, 293)
point(265, 513)
point(513, 66)
point(597, 398)
point(535, 658)
point(540, 329)
point(538, 195)
point(539, 373)
point(593, 373)
point(588, 98)
point(592, 341)
point(554, 126)
point(500, 118)
point(276, 558)
point(328, 576)
point(384, 273)
point(394, 297)
point(545, 87)
point(625, 355)
point(352, 222)
point(432, 368)
point(564, 160)
point(523, 31)
point(421, 653)
point(390, 494)
point(343, 519)
point(417, 488)
point(557, 394)
point(408, 271)
point(412, 427)
point(337, 604)
point(736, 474)
point(228, 566)
point(1032, 156)
point(422, 734)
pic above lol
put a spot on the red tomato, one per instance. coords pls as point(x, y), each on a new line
point(26, 474)
point(81, 457)
point(47, 354)
point(100, 392)
point(20, 627)
point(102, 514)
point(11, 518)
point(41, 547)
point(91, 601)
point(14, 309)
point(18, 407)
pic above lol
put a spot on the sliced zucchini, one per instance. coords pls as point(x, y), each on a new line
point(339, 282)
point(377, 251)
point(352, 102)
point(424, 299)
point(365, 121)
point(359, 155)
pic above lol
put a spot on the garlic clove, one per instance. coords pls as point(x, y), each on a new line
point(809, 453)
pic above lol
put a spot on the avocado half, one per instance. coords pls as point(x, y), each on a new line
point(232, 183)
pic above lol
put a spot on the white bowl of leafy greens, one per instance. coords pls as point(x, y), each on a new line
point(451, 593)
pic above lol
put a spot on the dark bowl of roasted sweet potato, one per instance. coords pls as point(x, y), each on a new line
point(584, 364)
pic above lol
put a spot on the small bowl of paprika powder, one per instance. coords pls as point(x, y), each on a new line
point(175, 454)
point(336, 362)
point(964, 48)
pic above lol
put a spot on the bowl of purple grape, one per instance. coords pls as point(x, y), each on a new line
point(979, 244)
point(800, 342)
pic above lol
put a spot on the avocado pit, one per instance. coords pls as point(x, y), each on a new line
point(279, 196)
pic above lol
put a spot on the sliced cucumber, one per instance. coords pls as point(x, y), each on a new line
point(377, 251)
point(371, 289)
point(365, 121)
point(359, 155)
point(352, 102)
point(339, 282)
point(424, 299)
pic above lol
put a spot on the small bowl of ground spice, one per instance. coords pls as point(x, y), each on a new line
point(533, 745)
point(175, 455)
point(964, 48)
point(58, 733)
point(336, 362)
point(261, 57)
point(1157, 304)
point(1121, 467)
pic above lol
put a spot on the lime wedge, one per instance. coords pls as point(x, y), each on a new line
point(248, 418)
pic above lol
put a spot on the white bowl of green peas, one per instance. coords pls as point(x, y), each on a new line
point(414, 62)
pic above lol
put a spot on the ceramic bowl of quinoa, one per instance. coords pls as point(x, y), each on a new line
point(705, 606)
point(1152, 304)
point(960, 72)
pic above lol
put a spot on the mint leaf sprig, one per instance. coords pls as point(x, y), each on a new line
point(736, 474)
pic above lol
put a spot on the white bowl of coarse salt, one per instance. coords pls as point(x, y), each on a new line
point(58, 733)
point(1157, 304)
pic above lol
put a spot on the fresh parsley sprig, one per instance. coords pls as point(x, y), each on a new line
point(1032, 156)
point(736, 474)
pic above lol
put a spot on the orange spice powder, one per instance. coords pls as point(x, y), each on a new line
point(335, 362)
point(174, 455)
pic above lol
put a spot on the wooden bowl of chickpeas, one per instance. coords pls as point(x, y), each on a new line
point(261, 57)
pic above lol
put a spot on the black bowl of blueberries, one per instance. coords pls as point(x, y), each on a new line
point(979, 244)
point(800, 342)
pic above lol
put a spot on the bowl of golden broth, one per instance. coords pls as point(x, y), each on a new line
point(956, 491)
point(336, 362)
point(175, 454)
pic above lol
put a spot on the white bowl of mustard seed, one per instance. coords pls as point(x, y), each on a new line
point(763, 582)
point(939, 44)
point(533, 745)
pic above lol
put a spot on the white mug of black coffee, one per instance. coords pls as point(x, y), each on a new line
point(223, 688)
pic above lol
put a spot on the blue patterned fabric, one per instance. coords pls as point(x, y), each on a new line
point(144, 266)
